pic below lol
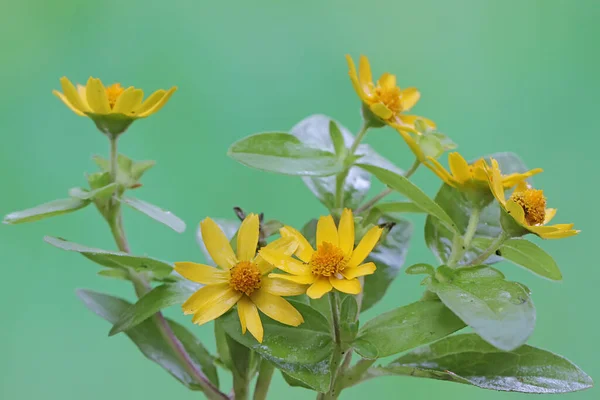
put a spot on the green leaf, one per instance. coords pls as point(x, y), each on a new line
point(469, 360)
point(104, 192)
point(222, 346)
point(528, 255)
point(314, 131)
point(51, 209)
point(160, 297)
point(129, 172)
point(405, 328)
point(270, 228)
point(115, 274)
point(302, 352)
point(420, 269)
point(293, 382)
point(349, 319)
point(111, 259)
point(283, 153)
point(156, 213)
point(229, 227)
point(501, 312)
point(399, 207)
point(309, 231)
point(388, 256)
point(150, 340)
point(337, 139)
point(412, 192)
point(439, 238)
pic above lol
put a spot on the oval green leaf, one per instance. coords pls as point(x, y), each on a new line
point(164, 217)
point(302, 352)
point(501, 312)
point(160, 269)
point(51, 209)
point(406, 328)
point(284, 153)
point(470, 360)
point(150, 340)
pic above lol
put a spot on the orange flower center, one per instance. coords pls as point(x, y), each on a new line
point(533, 203)
point(328, 260)
point(390, 97)
point(113, 92)
point(245, 277)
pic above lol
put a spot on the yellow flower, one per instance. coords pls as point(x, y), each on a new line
point(335, 263)
point(241, 279)
point(112, 108)
point(385, 100)
point(463, 175)
point(527, 207)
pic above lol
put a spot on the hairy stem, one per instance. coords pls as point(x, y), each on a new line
point(142, 286)
point(495, 245)
point(460, 245)
point(367, 206)
point(354, 374)
point(265, 374)
point(340, 178)
point(338, 353)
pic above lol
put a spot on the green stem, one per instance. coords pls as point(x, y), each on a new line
point(338, 353)
point(460, 245)
point(142, 286)
point(354, 374)
point(367, 206)
point(495, 245)
point(264, 380)
point(341, 177)
point(240, 387)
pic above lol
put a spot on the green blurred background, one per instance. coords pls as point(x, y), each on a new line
point(495, 75)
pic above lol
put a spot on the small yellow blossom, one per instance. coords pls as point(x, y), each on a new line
point(335, 264)
point(241, 279)
point(112, 108)
point(527, 207)
point(463, 175)
point(384, 99)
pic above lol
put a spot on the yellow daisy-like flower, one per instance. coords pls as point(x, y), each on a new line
point(241, 279)
point(527, 207)
point(384, 99)
point(112, 108)
point(463, 175)
point(334, 264)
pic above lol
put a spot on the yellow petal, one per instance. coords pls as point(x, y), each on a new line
point(284, 245)
point(151, 101)
point(304, 250)
point(346, 231)
point(362, 270)
point(96, 96)
point(364, 75)
point(319, 288)
point(301, 279)
point(327, 231)
point(67, 103)
point(366, 245)
point(284, 263)
point(142, 112)
point(459, 167)
point(217, 244)
point(409, 97)
point(201, 273)
point(277, 308)
point(72, 95)
point(513, 179)
point(495, 181)
point(249, 318)
point(559, 234)
point(440, 171)
point(346, 286)
point(129, 100)
point(387, 81)
point(411, 119)
point(207, 294)
point(212, 310)
point(516, 211)
point(412, 144)
point(354, 79)
point(281, 287)
point(247, 238)
point(381, 111)
point(550, 213)
point(82, 94)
